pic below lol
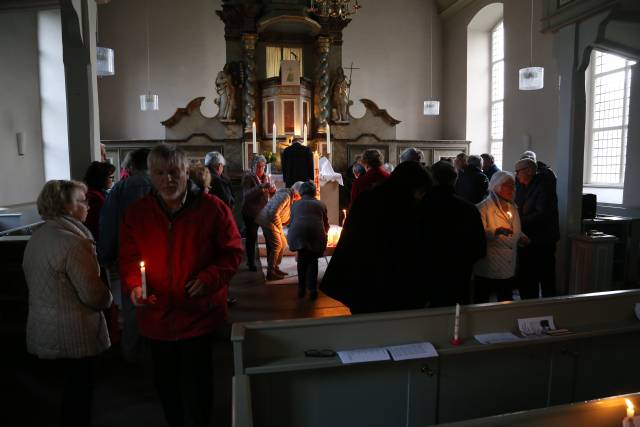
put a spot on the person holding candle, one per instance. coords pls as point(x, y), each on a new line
point(256, 190)
point(496, 271)
point(191, 248)
point(66, 327)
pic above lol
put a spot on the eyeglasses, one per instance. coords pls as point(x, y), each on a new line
point(112, 177)
point(320, 353)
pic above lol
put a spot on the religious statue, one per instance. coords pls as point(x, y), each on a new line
point(226, 95)
point(340, 98)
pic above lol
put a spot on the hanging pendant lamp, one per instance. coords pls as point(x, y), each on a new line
point(104, 62)
point(148, 101)
point(531, 78)
point(431, 107)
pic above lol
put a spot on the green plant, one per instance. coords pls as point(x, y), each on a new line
point(270, 156)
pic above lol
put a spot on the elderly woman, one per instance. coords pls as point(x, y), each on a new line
point(271, 218)
point(256, 190)
point(496, 271)
point(200, 176)
point(66, 296)
point(220, 184)
point(99, 179)
point(308, 236)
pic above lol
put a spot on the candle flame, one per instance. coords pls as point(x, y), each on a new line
point(509, 214)
point(629, 404)
point(334, 235)
point(141, 264)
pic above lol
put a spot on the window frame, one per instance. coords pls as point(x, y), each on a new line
point(498, 156)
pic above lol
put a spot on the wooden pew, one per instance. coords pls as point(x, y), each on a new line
point(472, 380)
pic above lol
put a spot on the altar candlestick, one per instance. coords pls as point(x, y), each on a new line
point(253, 131)
point(305, 135)
point(328, 139)
point(273, 132)
point(143, 279)
point(456, 327)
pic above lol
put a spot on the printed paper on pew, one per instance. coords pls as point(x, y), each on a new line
point(363, 355)
point(536, 325)
point(419, 350)
point(496, 337)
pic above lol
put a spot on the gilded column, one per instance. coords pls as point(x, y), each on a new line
point(249, 92)
point(322, 83)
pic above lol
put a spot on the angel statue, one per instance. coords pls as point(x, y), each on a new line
point(340, 97)
point(226, 95)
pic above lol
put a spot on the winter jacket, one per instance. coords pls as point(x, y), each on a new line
point(309, 226)
point(277, 212)
point(200, 241)
point(472, 184)
point(297, 164)
point(489, 172)
point(372, 178)
point(254, 197)
point(221, 187)
point(66, 295)
point(538, 208)
point(502, 251)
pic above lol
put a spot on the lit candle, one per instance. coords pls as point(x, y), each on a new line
point(274, 132)
point(253, 131)
point(328, 139)
point(630, 409)
point(305, 134)
point(509, 215)
point(630, 420)
point(143, 279)
point(456, 326)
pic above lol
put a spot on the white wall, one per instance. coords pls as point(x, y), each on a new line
point(22, 176)
point(187, 49)
point(389, 41)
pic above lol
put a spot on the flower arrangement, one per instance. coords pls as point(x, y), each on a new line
point(270, 156)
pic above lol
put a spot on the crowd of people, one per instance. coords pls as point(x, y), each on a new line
point(163, 244)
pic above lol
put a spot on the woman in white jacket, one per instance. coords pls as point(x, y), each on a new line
point(496, 272)
point(65, 323)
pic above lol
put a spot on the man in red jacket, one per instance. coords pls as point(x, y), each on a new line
point(191, 248)
point(374, 175)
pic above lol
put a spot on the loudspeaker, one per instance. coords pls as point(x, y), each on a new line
point(589, 202)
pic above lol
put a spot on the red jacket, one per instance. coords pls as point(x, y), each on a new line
point(370, 179)
point(200, 242)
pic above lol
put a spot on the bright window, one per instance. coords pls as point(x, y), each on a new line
point(608, 119)
point(275, 54)
point(497, 93)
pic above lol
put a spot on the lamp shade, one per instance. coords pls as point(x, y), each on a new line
point(149, 102)
point(104, 62)
point(531, 78)
point(431, 108)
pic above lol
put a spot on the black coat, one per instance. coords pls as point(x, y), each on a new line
point(453, 227)
point(472, 184)
point(221, 187)
point(297, 164)
point(538, 209)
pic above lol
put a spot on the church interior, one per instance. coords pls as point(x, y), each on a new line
point(85, 81)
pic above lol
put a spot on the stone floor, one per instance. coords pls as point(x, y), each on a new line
point(124, 394)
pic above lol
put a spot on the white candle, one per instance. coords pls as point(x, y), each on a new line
point(456, 326)
point(305, 134)
point(274, 132)
point(143, 279)
point(630, 408)
point(328, 139)
point(253, 131)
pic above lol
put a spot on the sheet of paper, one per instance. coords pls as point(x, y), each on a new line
point(364, 355)
point(419, 350)
point(536, 325)
point(496, 337)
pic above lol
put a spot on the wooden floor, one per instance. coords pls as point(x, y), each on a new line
point(124, 394)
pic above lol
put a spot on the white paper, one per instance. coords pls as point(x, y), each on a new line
point(638, 310)
point(496, 337)
point(364, 355)
point(419, 350)
point(536, 325)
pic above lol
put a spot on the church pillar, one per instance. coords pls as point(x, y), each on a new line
point(249, 92)
point(322, 83)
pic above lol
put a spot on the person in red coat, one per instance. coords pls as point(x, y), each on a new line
point(99, 180)
point(191, 248)
point(374, 175)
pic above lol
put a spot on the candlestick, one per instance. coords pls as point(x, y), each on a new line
point(328, 139)
point(456, 327)
point(305, 135)
point(273, 141)
point(253, 131)
point(143, 279)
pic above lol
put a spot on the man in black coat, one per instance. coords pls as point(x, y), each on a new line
point(538, 208)
point(489, 166)
point(472, 184)
point(456, 237)
point(297, 163)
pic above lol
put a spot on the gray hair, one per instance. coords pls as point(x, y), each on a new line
point(296, 186)
point(527, 162)
point(169, 153)
point(529, 155)
point(214, 158)
point(388, 167)
point(257, 159)
point(474, 160)
point(498, 179)
point(411, 155)
point(56, 195)
point(308, 188)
